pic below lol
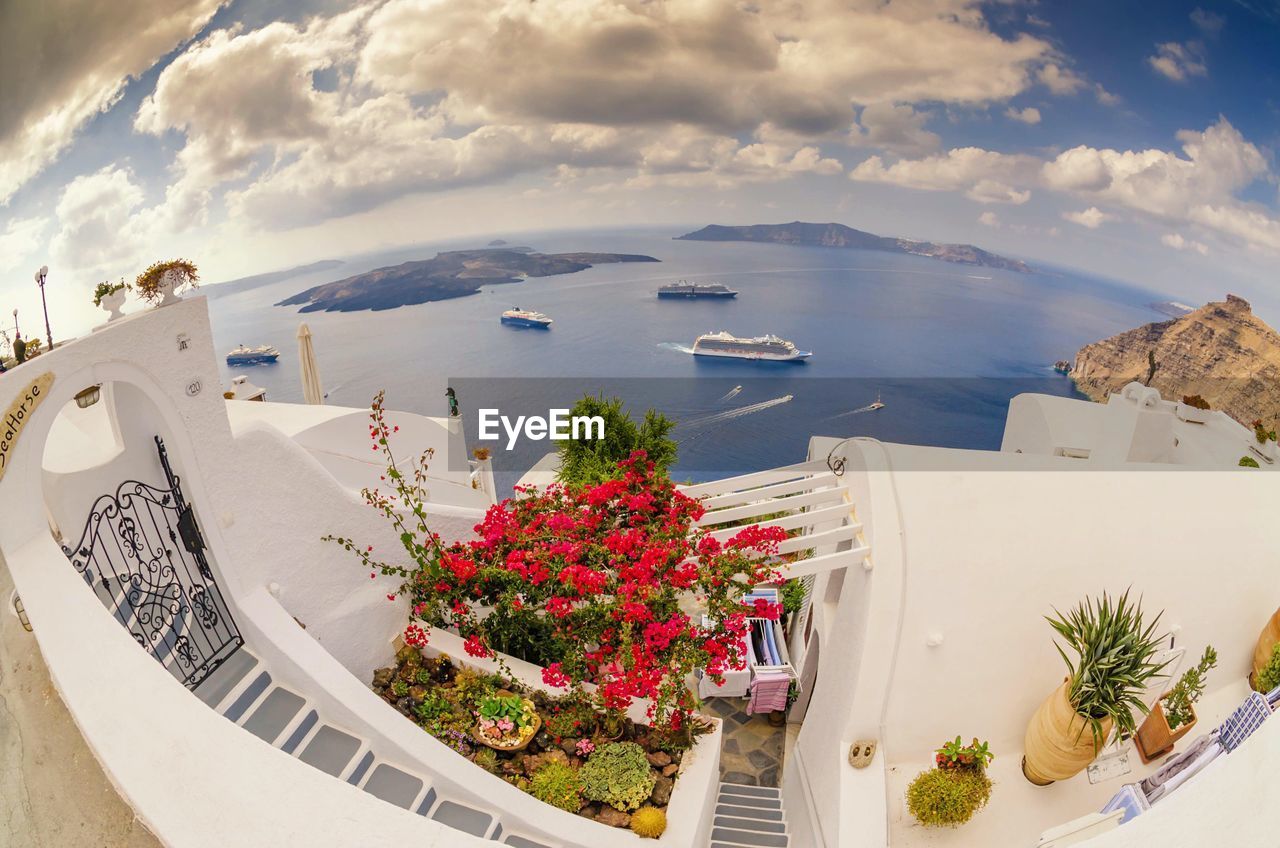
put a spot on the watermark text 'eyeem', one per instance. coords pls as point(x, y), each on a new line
point(557, 426)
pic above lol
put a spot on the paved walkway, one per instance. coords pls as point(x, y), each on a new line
point(752, 751)
point(53, 793)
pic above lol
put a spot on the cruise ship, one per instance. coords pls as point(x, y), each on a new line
point(261, 355)
point(768, 347)
point(526, 318)
point(685, 289)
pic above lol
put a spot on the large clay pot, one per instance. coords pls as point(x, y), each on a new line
point(1059, 742)
point(1267, 641)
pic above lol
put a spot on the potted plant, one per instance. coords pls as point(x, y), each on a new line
point(506, 722)
point(1113, 647)
point(1174, 714)
point(1193, 409)
point(110, 296)
point(1266, 440)
point(160, 283)
point(949, 794)
point(1268, 677)
point(1266, 645)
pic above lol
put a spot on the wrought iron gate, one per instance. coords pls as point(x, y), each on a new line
point(144, 557)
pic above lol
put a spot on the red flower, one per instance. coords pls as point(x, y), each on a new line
point(415, 636)
point(476, 647)
point(554, 676)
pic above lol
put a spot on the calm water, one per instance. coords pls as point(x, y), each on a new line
point(945, 346)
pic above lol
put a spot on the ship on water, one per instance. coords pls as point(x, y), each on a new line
point(518, 317)
point(767, 348)
point(261, 355)
point(685, 289)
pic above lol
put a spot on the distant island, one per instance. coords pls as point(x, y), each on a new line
point(1221, 351)
point(455, 273)
point(838, 235)
point(245, 283)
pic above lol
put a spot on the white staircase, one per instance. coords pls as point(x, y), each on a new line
point(806, 500)
point(749, 817)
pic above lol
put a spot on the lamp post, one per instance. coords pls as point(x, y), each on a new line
point(17, 332)
point(40, 276)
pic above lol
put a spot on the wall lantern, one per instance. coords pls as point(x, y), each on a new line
point(86, 398)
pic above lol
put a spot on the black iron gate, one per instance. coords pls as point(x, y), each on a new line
point(144, 557)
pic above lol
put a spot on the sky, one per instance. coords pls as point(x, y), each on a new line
point(1135, 141)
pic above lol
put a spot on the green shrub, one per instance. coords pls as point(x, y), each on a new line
point(940, 798)
point(591, 461)
point(1269, 677)
point(1188, 689)
point(792, 596)
point(559, 785)
point(618, 775)
point(487, 759)
point(1248, 462)
point(648, 822)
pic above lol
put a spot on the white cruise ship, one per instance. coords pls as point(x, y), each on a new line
point(767, 347)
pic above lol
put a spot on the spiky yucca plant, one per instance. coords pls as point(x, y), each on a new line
point(1113, 648)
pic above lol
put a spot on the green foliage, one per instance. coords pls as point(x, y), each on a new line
point(956, 754)
point(1248, 462)
point(525, 634)
point(471, 688)
point(1188, 689)
point(1269, 677)
point(148, 282)
point(618, 775)
point(433, 708)
point(648, 822)
point(940, 798)
point(591, 461)
point(105, 289)
point(20, 350)
point(558, 784)
point(399, 688)
point(792, 596)
point(487, 759)
point(569, 717)
point(513, 707)
point(1113, 649)
point(1261, 433)
point(1195, 401)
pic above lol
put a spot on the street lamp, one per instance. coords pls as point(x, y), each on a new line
point(40, 276)
point(16, 331)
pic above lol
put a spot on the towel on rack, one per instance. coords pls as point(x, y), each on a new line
point(1177, 763)
point(1194, 767)
point(1247, 718)
point(769, 691)
point(1129, 799)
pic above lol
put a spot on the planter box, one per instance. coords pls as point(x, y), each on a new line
point(1193, 415)
point(1154, 738)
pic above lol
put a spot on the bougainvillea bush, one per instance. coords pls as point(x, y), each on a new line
point(602, 584)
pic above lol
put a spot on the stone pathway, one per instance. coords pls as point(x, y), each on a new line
point(752, 751)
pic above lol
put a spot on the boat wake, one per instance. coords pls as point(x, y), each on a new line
point(682, 348)
point(730, 414)
point(733, 393)
point(871, 407)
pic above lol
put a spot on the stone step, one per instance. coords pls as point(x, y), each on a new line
point(749, 838)
point(745, 789)
point(725, 808)
point(750, 824)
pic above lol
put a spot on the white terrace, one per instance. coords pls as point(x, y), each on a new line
point(929, 572)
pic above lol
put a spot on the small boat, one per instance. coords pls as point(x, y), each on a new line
point(877, 405)
point(768, 348)
point(261, 355)
point(685, 289)
point(526, 318)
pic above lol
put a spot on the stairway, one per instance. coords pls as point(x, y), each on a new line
point(749, 817)
point(805, 499)
point(243, 692)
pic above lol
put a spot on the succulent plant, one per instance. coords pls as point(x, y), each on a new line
point(648, 822)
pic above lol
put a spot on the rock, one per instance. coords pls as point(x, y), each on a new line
point(668, 771)
point(658, 759)
point(382, 678)
point(570, 747)
point(661, 793)
point(589, 811)
point(614, 818)
point(1221, 351)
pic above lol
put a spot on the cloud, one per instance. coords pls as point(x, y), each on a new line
point(989, 219)
point(1209, 23)
point(1060, 80)
point(1090, 218)
point(900, 129)
point(1178, 61)
point(100, 233)
point(65, 61)
point(20, 240)
point(1177, 242)
point(1029, 115)
point(983, 175)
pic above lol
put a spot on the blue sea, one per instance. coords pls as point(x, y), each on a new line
point(943, 346)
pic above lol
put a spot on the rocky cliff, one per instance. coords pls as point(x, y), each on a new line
point(1221, 351)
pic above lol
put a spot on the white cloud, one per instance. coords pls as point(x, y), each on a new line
point(983, 175)
point(20, 240)
point(1090, 218)
point(1060, 80)
point(989, 219)
point(1209, 23)
point(896, 128)
point(1177, 242)
point(1178, 61)
point(65, 61)
point(1029, 115)
point(100, 231)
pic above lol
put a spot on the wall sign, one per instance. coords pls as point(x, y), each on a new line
point(18, 414)
point(193, 388)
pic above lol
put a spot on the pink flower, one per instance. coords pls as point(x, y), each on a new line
point(476, 647)
point(584, 747)
point(554, 676)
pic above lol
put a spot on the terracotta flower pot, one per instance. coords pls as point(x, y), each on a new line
point(1155, 739)
point(1267, 641)
point(513, 744)
point(1059, 742)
